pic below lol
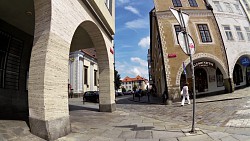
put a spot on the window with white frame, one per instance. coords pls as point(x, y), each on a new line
point(177, 3)
point(204, 33)
point(248, 33)
point(218, 6)
point(108, 3)
point(237, 7)
point(228, 32)
point(193, 3)
point(239, 33)
point(229, 8)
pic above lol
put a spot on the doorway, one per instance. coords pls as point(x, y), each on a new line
point(200, 80)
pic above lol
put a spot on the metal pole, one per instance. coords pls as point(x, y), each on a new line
point(194, 94)
point(192, 67)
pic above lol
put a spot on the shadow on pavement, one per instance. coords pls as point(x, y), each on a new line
point(227, 99)
point(136, 128)
point(75, 108)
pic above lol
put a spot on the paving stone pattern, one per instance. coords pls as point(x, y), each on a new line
point(220, 118)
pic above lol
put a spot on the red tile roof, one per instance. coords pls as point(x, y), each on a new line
point(90, 52)
point(137, 78)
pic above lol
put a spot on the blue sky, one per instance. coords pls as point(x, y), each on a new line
point(132, 37)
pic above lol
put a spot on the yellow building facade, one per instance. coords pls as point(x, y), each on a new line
point(168, 60)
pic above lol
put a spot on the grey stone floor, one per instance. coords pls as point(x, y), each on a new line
point(220, 118)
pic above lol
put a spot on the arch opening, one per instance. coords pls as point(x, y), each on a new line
point(16, 40)
point(89, 66)
point(209, 76)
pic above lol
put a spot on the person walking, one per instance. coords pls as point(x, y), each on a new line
point(185, 94)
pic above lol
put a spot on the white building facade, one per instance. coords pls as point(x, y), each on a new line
point(83, 73)
point(235, 30)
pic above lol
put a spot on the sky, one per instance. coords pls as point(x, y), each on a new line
point(132, 37)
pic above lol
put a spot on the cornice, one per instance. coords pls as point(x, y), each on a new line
point(192, 13)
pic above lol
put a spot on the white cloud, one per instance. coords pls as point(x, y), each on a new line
point(139, 23)
point(140, 61)
point(143, 72)
point(132, 9)
point(144, 42)
point(127, 69)
point(121, 2)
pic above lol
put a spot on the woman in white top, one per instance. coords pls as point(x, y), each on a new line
point(185, 94)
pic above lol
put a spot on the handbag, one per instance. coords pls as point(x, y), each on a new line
point(182, 92)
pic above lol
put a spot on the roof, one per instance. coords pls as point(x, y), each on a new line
point(137, 78)
point(90, 52)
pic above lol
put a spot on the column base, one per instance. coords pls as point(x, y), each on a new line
point(107, 107)
point(50, 130)
point(229, 85)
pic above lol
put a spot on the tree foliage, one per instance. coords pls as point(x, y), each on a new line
point(117, 80)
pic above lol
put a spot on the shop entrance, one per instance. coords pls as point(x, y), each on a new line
point(200, 80)
point(237, 74)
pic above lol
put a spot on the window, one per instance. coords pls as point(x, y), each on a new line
point(193, 3)
point(239, 33)
point(108, 3)
point(248, 33)
point(228, 32)
point(237, 7)
point(95, 77)
point(10, 60)
point(229, 8)
point(218, 6)
point(86, 75)
point(204, 33)
point(177, 31)
point(177, 3)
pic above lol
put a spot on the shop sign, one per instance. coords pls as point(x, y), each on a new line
point(245, 61)
point(204, 64)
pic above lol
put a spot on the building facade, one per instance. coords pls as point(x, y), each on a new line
point(36, 39)
point(234, 26)
point(83, 71)
point(129, 83)
point(170, 66)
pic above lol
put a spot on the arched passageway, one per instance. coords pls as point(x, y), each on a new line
point(34, 61)
point(210, 75)
point(241, 72)
point(88, 35)
point(16, 40)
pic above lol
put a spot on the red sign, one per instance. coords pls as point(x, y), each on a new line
point(171, 55)
point(111, 50)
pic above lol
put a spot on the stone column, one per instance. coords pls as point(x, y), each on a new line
point(48, 76)
point(107, 90)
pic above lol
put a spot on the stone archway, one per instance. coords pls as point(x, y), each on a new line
point(211, 57)
point(91, 31)
point(48, 75)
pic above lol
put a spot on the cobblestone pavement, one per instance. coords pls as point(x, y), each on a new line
point(221, 118)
